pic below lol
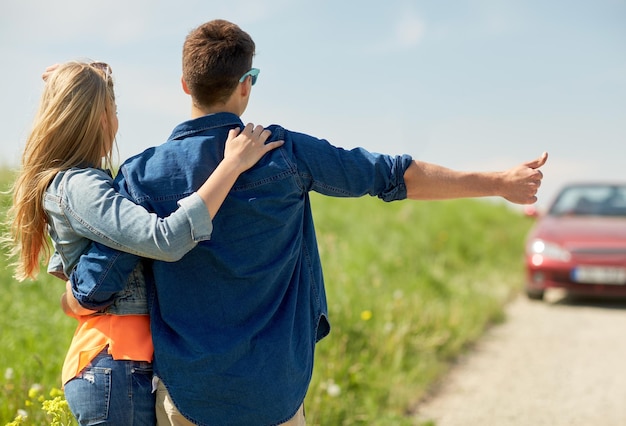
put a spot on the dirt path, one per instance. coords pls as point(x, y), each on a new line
point(555, 363)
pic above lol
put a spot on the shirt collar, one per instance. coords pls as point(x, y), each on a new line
point(207, 122)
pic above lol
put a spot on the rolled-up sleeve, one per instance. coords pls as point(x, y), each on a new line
point(339, 172)
point(100, 274)
point(197, 213)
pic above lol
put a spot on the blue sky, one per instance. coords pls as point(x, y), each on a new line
point(472, 85)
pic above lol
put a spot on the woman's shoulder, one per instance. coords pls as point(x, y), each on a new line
point(80, 179)
point(78, 174)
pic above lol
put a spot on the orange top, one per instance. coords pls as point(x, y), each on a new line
point(127, 336)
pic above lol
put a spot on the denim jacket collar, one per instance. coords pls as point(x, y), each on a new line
point(205, 123)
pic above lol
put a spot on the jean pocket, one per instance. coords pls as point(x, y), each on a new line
point(141, 373)
point(141, 367)
point(89, 395)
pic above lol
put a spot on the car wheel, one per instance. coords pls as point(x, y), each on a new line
point(534, 294)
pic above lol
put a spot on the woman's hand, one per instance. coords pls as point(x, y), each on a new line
point(70, 305)
point(48, 72)
point(247, 148)
point(242, 151)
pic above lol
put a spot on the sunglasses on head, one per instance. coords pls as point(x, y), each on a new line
point(102, 66)
point(254, 73)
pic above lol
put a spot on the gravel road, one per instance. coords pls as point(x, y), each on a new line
point(561, 362)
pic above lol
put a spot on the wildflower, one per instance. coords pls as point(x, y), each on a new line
point(34, 390)
point(58, 409)
point(333, 389)
point(366, 315)
point(19, 419)
point(54, 392)
point(9, 374)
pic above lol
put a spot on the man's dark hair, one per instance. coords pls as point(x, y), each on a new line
point(215, 56)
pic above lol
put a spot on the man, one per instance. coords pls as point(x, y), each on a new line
point(235, 322)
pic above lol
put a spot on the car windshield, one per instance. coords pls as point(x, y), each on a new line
point(590, 200)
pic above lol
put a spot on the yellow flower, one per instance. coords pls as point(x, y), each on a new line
point(34, 390)
point(54, 392)
point(366, 315)
point(20, 419)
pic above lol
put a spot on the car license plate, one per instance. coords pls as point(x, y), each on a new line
point(599, 275)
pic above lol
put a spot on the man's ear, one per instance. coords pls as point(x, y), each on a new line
point(184, 84)
point(245, 88)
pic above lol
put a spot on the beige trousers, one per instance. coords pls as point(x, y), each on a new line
point(168, 415)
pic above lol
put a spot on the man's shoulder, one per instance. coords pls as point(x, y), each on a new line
point(141, 157)
point(289, 136)
point(148, 156)
point(152, 169)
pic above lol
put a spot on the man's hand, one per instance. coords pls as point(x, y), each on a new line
point(522, 182)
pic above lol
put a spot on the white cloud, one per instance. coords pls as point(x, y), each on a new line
point(409, 31)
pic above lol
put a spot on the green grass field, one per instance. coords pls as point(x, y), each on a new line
point(410, 286)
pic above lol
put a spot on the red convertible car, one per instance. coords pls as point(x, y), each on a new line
point(580, 243)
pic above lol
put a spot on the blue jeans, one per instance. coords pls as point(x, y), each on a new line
point(110, 392)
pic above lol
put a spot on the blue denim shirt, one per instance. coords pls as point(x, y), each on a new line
point(82, 206)
point(236, 320)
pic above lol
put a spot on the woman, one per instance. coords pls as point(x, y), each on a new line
point(61, 192)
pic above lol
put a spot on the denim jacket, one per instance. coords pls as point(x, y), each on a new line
point(236, 320)
point(82, 206)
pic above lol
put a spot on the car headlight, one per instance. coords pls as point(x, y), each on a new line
point(548, 250)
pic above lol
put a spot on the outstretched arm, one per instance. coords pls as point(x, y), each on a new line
point(425, 181)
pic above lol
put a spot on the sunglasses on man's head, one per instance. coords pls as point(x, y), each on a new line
point(254, 73)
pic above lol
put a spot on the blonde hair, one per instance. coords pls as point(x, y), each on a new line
point(72, 127)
